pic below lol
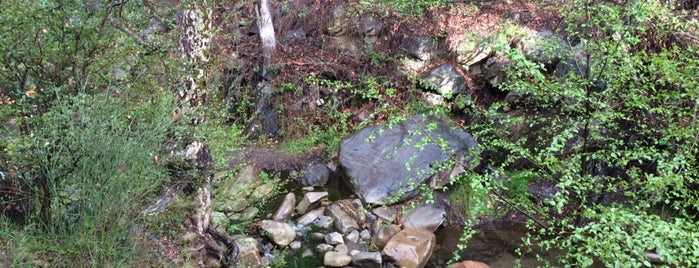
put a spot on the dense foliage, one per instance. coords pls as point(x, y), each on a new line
point(616, 137)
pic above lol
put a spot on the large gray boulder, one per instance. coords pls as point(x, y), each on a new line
point(446, 81)
point(386, 164)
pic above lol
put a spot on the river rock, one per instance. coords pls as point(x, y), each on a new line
point(367, 259)
point(285, 209)
point(427, 216)
point(384, 233)
point(311, 216)
point(336, 259)
point(316, 175)
point(323, 221)
point(383, 164)
point(342, 218)
point(410, 248)
point(309, 199)
point(323, 248)
point(445, 81)
point(334, 239)
point(353, 236)
point(280, 233)
point(248, 252)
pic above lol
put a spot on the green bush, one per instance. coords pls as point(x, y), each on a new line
point(626, 127)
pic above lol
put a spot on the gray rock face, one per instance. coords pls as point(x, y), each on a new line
point(411, 248)
point(280, 233)
point(445, 81)
point(383, 165)
point(315, 175)
point(336, 259)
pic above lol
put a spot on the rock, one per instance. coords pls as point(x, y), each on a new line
point(338, 22)
point(385, 214)
point(494, 69)
point(420, 47)
point(323, 221)
point(427, 216)
point(365, 234)
point(384, 233)
point(343, 43)
point(295, 35)
point(336, 259)
point(383, 165)
point(434, 99)
point(323, 248)
point(469, 52)
point(445, 81)
point(334, 239)
point(285, 209)
point(342, 219)
point(342, 248)
point(280, 233)
point(366, 259)
point(542, 46)
point(316, 175)
point(295, 245)
point(410, 248)
point(468, 264)
point(353, 236)
point(310, 216)
point(309, 199)
point(370, 25)
point(248, 252)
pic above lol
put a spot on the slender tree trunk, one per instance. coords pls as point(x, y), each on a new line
point(195, 40)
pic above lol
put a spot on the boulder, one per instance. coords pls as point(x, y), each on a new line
point(386, 164)
point(370, 25)
point(310, 216)
point(383, 234)
point(469, 52)
point(445, 81)
point(410, 248)
point(280, 233)
point(494, 69)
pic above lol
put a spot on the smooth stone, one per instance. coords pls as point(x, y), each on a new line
point(469, 264)
point(342, 248)
point(280, 233)
point(324, 247)
point(285, 209)
point(411, 247)
point(295, 245)
point(336, 259)
point(427, 216)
